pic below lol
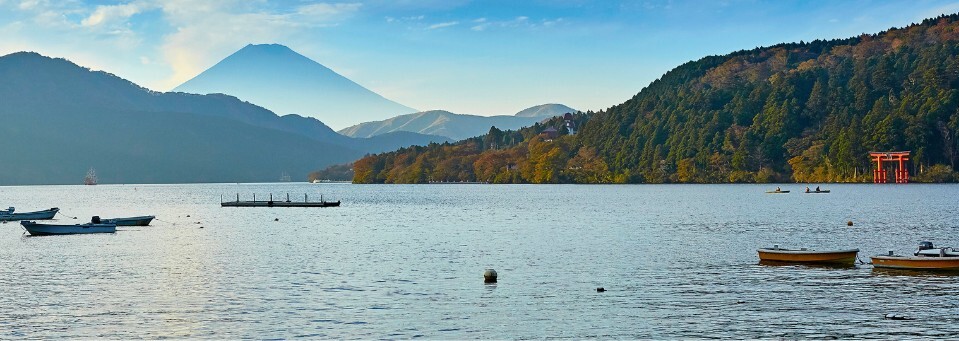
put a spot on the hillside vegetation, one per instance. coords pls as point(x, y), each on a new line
point(807, 112)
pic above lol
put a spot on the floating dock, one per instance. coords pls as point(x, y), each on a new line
point(278, 203)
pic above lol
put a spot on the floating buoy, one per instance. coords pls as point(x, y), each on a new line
point(600, 289)
point(489, 276)
point(849, 223)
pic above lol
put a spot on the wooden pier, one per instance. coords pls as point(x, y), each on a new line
point(278, 203)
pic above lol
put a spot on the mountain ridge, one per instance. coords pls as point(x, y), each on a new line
point(286, 82)
point(215, 133)
point(455, 126)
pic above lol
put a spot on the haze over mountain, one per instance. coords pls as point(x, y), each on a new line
point(286, 82)
point(455, 126)
point(59, 119)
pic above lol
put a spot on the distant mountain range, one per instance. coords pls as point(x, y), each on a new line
point(455, 126)
point(58, 119)
point(286, 82)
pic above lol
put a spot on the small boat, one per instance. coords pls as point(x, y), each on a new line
point(777, 191)
point(37, 229)
point(822, 191)
point(131, 221)
point(927, 257)
point(8, 215)
point(803, 255)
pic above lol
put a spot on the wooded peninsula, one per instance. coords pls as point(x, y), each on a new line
point(797, 112)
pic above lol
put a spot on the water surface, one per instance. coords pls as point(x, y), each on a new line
point(406, 261)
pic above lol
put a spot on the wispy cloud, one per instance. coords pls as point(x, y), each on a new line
point(442, 25)
point(106, 14)
point(483, 24)
point(324, 11)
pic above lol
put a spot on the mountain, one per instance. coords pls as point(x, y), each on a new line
point(455, 126)
point(805, 112)
point(314, 129)
point(545, 111)
point(60, 119)
point(287, 82)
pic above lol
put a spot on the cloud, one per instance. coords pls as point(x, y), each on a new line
point(28, 4)
point(324, 11)
point(483, 24)
point(106, 14)
point(442, 25)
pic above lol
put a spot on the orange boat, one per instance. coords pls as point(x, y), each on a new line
point(803, 255)
point(927, 257)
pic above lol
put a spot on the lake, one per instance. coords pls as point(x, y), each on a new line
point(407, 261)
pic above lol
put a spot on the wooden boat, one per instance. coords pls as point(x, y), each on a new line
point(37, 229)
point(131, 221)
point(927, 257)
point(777, 192)
point(9, 215)
point(803, 255)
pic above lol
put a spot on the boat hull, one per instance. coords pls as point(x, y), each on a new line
point(777, 192)
point(50, 229)
point(38, 215)
point(808, 256)
point(131, 221)
point(916, 263)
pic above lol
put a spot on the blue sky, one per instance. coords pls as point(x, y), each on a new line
point(472, 57)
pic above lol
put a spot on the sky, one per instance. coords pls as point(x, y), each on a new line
point(470, 57)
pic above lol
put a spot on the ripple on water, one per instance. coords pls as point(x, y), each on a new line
point(407, 261)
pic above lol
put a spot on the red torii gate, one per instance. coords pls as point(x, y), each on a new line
point(879, 174)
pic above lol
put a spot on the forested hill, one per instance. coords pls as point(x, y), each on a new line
point(807, 111)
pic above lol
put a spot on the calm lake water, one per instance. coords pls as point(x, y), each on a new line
point(406, 261)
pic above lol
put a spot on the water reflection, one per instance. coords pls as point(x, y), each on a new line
point(914, 273)
point(773, 263)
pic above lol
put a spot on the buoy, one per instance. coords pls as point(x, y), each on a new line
point(600, 289)
point(276, 219)
point(489, 276)
point(849, 223)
